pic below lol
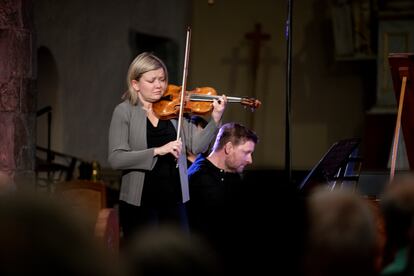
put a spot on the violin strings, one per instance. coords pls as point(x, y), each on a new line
point(210, 98)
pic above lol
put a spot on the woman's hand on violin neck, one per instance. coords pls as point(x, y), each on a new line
point(218, 108)
point(173, 147)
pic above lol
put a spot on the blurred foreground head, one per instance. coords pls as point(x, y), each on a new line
point(342, 238)
point(167, 250)
point(38, 237)
point(397, 206)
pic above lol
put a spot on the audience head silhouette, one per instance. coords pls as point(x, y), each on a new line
point(38, 237)
point(397, 206)
point(166, 250)
point(342, 235)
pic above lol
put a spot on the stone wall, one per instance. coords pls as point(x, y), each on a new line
point(17, 91)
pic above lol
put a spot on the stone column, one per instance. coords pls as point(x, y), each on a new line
point(17, 93)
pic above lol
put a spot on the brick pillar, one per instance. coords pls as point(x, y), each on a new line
point(17, 94)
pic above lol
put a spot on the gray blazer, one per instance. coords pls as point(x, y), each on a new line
point(128, 149)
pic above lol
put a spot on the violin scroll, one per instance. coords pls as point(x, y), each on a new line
point(252, 103)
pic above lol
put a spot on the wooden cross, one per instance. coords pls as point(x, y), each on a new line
point(256, 37)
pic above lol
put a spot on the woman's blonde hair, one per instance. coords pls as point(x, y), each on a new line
point(143, 63)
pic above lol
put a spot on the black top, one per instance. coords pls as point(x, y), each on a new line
point(215, 200)
point(211, 186)
point(162, 183)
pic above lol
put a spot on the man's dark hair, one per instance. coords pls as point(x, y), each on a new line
point(236, 134)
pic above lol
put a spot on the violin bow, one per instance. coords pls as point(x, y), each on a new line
point(184, 83)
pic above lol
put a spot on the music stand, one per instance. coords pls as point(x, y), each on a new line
point(333, 165)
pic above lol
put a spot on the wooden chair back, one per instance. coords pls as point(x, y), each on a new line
point(87, 200)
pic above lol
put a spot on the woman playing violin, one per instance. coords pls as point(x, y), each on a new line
point(147, 151)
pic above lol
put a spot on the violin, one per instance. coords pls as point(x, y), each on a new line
point(196, 102)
